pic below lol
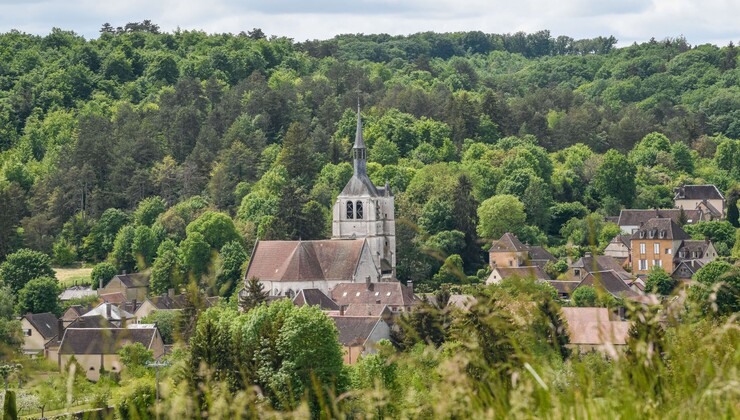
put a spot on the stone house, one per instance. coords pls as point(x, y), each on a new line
point(38, 330)
point(359, 335)
point(96, 349)
point(661, 242)
point(591, 264)
point(706, 198)
point(508, 251)
point(630, 220)
point(133, 286)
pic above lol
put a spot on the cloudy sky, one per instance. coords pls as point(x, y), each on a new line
point(699, 21)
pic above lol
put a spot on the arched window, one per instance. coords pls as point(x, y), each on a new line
point(350, 210)
point(358, 209)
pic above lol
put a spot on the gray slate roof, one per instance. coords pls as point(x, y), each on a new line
point(134, 280)
point(636, 217)
point(313, 297)
point(508, 243)
point(660, 228)
point(609, 281)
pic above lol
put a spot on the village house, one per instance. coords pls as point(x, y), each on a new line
point(315, 297)
point(592, 264)
point(610, 282)
point(74, 312)
point(662, 243)
point(508, 251)
point(706, 198)
point(168, 302)
point(112, 313)
point(500, 273)
point(565, 288)
point(395, 295)
point(76, 292)
point(592, 329)
point(38, 330)
point(132, 286)
point(96, 349)
point(630, 220)
point(619, 248)
point(359, 335)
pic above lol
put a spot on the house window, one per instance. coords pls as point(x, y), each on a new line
point(657, 263)
point(358, 210)
point(350, 210)
point(642, 248)
point(643, 265)
point(511, 263)
point(656, 248)
point(27, 332)
point(668, 251)
point(577, 272)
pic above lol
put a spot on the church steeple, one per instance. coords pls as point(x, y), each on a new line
point(360, 154)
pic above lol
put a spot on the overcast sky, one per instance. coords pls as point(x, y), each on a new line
point(699, 21)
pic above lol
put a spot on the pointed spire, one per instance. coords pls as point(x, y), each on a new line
point(359, 148)
point(359, 143)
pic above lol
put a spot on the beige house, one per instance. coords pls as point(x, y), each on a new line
point(133, 286)
point(359, 335)
point(38, 330)
point(96, 349)
point(618, 248)
point(592, 329)
point(706, 198)
point(508, 251)
point(500, 273)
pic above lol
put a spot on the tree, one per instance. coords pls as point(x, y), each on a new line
point(148, 210)
point(40, 295)
point(437, 216)
point(102, 235)
point(166, 270)
point(122, 247)
point(233, 258)
point(143, 247)
point(615, 177)
point(254, 294)
point(11, 336)
point(217, 229)
point(10, 411)
point(297, 154)
point(423, 325)
point(717, 288)
point(660, 282)
point(555, 327)
point(101, 274)
point(196, 254)
point(167, 322)
point(585, 296)
point(23, 266)
point(498, 215)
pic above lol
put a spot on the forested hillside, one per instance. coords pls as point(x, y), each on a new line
point(179, 150)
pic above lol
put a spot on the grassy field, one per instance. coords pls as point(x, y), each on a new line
point(71, 276)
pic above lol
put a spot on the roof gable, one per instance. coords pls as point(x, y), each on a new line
point(104, 340)
point(355, 330)
point(609, 281)
point(133, 280)
point(313, 297)
point(698, 192)
point(508, 243)
point(45, 323)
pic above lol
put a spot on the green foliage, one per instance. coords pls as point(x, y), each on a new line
point(498, 215)
point(217, 229)
point(167, 322)
point(167, 268)
point(716, 290)
point(254, 294)
point(122, 249)
point(615, 178)
point(585, 296)
point(196, 254)
point(102, 235)
point(436, 216)
point(719, 232)
point(40, 295)
point(143, 247)
point(64, 253)
point(135, 355)
point(102, 273)
point(660, 282)
point(10, 411)
point(23, 266)
point(148, 210)
point(233, 258)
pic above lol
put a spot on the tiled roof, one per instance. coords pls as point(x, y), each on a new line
point(564, 286)
point(609, 281)
point(104, 340)
point(694, 249)
point(166, 302)
point(508, 243)
point(636, 217)
point(601, 263)
point(698, 192)
point(367, 309)
point(134, 280)
point(532, 271)
point(540, 253)
point(355, 330)
point(114, 298)
point(305, 260)
point(660, 228)
point(390, 293)
point(592, 326)
point(45, 323)
point(313, 297)
point(97, 321)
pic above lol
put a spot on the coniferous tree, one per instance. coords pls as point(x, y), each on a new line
point(465, 207)
point(254, 294)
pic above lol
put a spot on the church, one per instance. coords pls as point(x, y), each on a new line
point(362, 248)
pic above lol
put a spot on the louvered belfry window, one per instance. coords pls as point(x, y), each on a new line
point(350, 210)
point(358, 210)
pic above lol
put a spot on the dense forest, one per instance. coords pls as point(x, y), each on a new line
point(143, 148)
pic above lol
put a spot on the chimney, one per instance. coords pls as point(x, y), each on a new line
point(124, 273)
point(587, 254)
point(171, 293)
point(341, 310)
point(60, 328)
point(133, 306)
point(410, 285)
point(100, 283)
point(108, 311)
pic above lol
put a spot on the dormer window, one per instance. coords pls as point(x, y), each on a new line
point(358, 210)
point(652, 234)
point(642, 234)
point(350, 210)
point(662, 234)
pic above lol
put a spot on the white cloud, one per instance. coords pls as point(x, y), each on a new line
point(628, 20)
